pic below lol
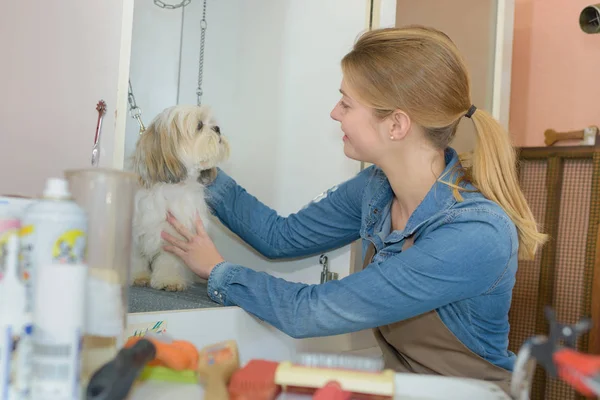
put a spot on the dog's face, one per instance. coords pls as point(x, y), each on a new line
point(182, 141)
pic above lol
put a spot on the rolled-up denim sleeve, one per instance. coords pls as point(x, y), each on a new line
point(456, 261)
point(332, 220)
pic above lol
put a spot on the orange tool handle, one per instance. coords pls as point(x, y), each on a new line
point(575, 367)
point(179, 355)
point(332, 391)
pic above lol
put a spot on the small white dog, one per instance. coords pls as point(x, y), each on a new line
point(175, 157)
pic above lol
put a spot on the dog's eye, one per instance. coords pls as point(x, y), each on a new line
point(200, 125)
point(216, 129)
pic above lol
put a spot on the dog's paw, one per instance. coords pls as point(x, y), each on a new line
point(170, 285)
point(142, 281)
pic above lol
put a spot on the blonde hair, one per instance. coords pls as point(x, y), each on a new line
point(419, 70)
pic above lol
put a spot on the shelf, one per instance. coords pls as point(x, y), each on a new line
point(145, 299)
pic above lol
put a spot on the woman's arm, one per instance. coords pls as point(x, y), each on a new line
point(461, 259)
point(332, 221)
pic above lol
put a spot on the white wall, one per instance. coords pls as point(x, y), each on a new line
point(271, 75)
point(58, 60)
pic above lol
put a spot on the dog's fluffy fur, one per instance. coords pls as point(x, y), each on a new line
point(175, 157)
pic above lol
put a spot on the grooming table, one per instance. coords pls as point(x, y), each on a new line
point(145, 299)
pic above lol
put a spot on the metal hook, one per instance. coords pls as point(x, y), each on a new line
point(326, 275)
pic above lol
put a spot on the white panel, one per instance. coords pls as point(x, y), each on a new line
point(58, 60)
point(271, 89)
point(503, 61)
point(154, 63)
point(387, 14)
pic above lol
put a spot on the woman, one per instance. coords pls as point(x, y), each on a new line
point(441, 238)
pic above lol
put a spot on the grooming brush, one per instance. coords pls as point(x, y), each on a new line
point(114, 380)
point(178, 355)
point(175, 361)
point(255, 381)
point(332, 391)
point(164, 374)
point(362, 377)
point(216, 365)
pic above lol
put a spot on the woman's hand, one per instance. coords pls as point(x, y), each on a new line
point(198, 251)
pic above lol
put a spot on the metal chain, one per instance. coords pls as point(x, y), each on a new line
point(164, 5)
point(203, 26)
point(134, 110)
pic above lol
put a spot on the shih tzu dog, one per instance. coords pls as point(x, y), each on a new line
point(175, 157)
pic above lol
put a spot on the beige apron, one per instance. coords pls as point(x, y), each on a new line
point(424, 345)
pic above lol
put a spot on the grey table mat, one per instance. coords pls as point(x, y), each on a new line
point(145, 299)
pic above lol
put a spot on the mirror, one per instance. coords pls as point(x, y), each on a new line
point(270, 72)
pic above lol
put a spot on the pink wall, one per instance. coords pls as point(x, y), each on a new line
point(556, 70)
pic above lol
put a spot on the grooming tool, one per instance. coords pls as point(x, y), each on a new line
point(580, 371)
point(114, 380)
point(165, 374)
point(217, 364)
point(178, 355)
point(255, 381)
point(361, 376)
point(101, 108)
point(587, 136)
point(332, 391)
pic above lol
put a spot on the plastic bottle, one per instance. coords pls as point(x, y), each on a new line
point(53, 232)
point(12, 319)
point(58, 327)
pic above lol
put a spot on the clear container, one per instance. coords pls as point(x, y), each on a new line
point(107, 195)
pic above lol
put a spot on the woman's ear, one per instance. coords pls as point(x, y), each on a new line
point(400, 125)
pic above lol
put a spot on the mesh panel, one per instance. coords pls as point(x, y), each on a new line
point(570, 254)
point(571, 237)
point(522, 313)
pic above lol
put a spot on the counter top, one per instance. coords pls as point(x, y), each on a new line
point(145, 299)
point(408, 387)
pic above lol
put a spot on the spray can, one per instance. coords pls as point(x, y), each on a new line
point(53, 232)
point(12, 318)
point(58, 327)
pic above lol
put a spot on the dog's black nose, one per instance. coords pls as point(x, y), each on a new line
point(217, 130)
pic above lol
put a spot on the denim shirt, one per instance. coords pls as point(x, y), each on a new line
point(462, 263)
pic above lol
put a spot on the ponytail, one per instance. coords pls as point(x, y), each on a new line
point(493, 172)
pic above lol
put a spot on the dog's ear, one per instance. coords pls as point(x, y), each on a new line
point(156, 157)
point(207, 176)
